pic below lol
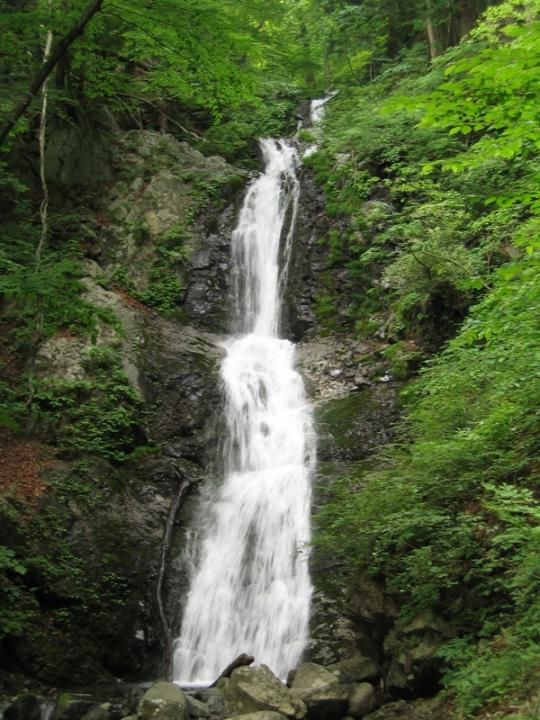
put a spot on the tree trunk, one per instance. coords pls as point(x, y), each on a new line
point(58, 52)
point(240, 661)
point(44, 207)
point(432, 38)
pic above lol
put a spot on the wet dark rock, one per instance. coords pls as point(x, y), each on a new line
point(355, 426)
point(307, 263)
point(206, 300)
point(332, 635)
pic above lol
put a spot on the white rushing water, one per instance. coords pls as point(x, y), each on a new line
point(251, 590)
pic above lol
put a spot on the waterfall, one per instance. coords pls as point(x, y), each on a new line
point(250, 592)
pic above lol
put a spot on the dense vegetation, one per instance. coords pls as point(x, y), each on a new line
point(441, 183)
point(430, 169)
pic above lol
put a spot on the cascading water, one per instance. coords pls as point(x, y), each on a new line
point(251, 590)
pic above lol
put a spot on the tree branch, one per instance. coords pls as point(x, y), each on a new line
point(58, 52)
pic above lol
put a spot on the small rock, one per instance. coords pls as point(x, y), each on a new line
point(362, 700)
point(335, 372)
point(361, 380)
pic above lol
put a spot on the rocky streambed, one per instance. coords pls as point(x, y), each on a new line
point(350, 688)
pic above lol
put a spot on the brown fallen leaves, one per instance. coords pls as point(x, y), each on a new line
point(21, 464)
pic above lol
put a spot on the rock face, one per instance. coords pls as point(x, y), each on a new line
point(164, 701)
point(253, 689)
point(308, 263)
point(163, 229)
point(320, 691)
point(156, 242)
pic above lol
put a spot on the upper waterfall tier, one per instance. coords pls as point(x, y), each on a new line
point(260, 253)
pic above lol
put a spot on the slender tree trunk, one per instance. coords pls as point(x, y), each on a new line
point(44, 207)
point(430, 31)
point(41, 76)
point(432, 38)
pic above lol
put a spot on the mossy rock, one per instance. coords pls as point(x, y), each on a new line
point(163, 701)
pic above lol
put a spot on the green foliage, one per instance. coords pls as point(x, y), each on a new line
point(450, 517)
point(100, 415)
point(73, 586)
point(429, 238)
point(490, 95)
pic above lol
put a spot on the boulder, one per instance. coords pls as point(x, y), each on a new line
point(24, 707)
point(362, 700)
point(196, 708)
point(355, 669)
point(260, 715)
point(253, 689)
point(369, 602)
point(163, 701)
point(214, 700)
point(397, 681)
point(73, 706)
point(98, 712)
point(321, 692)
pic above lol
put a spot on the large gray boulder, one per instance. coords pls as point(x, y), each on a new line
point(163, 701)
point(253, 689)
point(321, 692)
